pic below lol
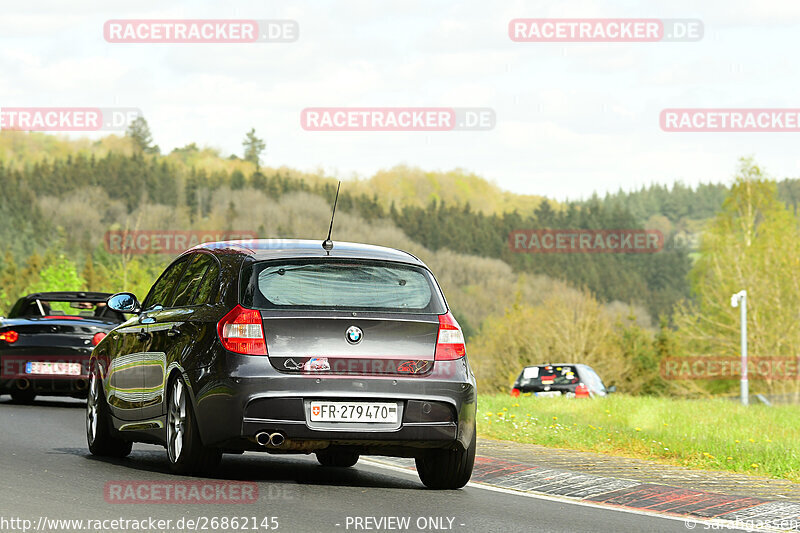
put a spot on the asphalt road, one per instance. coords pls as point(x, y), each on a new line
point(46, 471)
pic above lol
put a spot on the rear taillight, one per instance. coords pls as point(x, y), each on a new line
point(581, 391)
point(450, 343)
point(9, 336)
point(241, 331)
point(97, 338)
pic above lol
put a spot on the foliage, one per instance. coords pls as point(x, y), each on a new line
point(655, 280)
point(253, 146)
point(751, 244)
point(675, 204)
point(570, 327)
point(566, 327)
point(58, 274)
point(139, 131)
point(184, 183)
point(61, 196)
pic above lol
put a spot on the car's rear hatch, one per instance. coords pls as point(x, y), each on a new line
point(346, 317)
point(386, 345)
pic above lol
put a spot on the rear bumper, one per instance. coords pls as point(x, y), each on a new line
point(13, 375)
point(406, 441)
point(438, 410)
point(74, 386)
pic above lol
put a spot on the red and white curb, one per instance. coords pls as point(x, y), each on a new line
point(724, 510)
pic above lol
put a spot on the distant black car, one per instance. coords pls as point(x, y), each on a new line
point(288, 347)
point(46, 341)
point(574, 380)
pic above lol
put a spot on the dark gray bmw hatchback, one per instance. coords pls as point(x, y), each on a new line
point(286, 347)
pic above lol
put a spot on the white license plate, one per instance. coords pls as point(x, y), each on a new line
point(53, 369)
point(354, 412)
point(548, 394)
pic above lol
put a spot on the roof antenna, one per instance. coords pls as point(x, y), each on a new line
point(327, 244)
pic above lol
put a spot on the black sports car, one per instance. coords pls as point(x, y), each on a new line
point(287, 346)
point(46, 341)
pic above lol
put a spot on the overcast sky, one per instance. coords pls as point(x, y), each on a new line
point(571, 118)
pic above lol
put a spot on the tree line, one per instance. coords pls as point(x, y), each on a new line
point(655, 280)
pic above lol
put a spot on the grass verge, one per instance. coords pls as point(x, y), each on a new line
point(706, 434)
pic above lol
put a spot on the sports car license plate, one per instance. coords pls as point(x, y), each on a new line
point(53, 369)
point(354, 412)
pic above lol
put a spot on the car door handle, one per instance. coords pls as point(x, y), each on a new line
point(173, 332)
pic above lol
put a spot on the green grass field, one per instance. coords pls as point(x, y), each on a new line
point(706, 434)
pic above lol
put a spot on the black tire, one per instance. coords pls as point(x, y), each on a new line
point(102, 439)
point(192, 457)
point(447, 469)
point(24, 397)
point(337, 458)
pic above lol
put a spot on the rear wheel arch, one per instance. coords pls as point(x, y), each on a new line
point(96, 364)
point(174, 372)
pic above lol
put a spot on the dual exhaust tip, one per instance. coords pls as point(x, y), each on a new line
point(273, 440)
point(24, 384)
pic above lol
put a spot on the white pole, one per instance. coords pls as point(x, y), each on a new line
point(741, 297)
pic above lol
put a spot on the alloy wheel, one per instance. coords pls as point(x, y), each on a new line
point(176, 421)
point(91, 408)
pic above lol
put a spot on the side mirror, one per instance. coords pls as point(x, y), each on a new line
point(125, 302)
point(612, 388)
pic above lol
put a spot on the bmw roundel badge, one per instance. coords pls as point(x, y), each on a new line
point(354, 334)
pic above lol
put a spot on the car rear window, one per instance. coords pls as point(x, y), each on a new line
point(548, 375)
point(342, 285)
